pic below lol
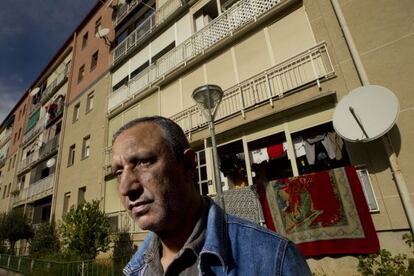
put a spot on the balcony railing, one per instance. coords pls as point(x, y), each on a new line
point(40, 125)
point(29, 160)
point(310, 66)
point(51, 88)
point(125, 222)
point(146, 27)
point(108, 160)
point(37, 190)
point(50, 146)
point(124, 10)
point(240, 14)
point(6, 136)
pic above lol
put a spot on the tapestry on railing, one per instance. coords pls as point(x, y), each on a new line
point(323, 213)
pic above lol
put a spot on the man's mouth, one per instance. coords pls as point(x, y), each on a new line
point(139, 208)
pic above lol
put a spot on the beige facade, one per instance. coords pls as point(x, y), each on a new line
point(80, 174)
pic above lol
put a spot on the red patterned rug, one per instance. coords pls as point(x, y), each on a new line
point(323, 213)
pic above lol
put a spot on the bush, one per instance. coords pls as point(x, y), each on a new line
point(45, 241)
point(384, 263)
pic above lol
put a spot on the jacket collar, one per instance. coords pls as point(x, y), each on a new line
point(216, 238)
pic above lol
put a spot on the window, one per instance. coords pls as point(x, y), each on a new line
point(85, 40)
point(94, 60)
point(201, 175)
point(162, 52)
point(76, 111)
point(71, 159)
point(24, 109)
point(81, 74)
point(20, 132)
point(365, 180)
point(89, 102)
point(66, 201)
point(14, 161)
point(81, 195)
point(98, 23)
point(86, 146)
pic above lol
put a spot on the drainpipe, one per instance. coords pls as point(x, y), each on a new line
point(386, 139)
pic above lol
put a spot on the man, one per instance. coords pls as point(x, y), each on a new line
point(189, 234)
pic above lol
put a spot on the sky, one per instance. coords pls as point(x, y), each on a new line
point(31, 32)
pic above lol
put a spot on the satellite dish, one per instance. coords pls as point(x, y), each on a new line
point(51, 162)
point(366, 113)
point(34, 91)
point(102, 33)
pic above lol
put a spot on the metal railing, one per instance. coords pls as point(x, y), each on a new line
point(310, 66)
point(124, 10)
point(6, 136)
point(33, 157)
point(146, 27)
point(31, 266)
point(50, 146)
point(108, 160)
point(126, 223)
point(36, 190)
point(50, 89)
point(240, 14)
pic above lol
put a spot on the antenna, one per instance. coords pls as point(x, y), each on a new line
point(366, 113)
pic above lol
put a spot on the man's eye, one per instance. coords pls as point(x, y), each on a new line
point(117, 173)
point(145, 162)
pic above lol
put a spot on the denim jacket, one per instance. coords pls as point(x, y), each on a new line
point(234, 246)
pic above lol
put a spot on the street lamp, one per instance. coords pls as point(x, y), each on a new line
point(208, 99)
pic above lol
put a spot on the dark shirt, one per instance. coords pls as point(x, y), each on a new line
point(187, 259)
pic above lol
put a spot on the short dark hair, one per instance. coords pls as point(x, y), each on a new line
point(170, 130)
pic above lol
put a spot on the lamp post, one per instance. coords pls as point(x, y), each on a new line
point(208, 99)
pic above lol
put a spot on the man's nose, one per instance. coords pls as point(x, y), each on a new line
point(130, 185)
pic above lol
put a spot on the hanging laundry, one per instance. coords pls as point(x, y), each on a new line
point(275, 151)
point(310, 147)
point(299, 146)
point(260, 155)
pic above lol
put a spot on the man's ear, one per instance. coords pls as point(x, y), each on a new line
point(190, 159)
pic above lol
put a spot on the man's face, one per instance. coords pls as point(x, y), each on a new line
point(152, 184)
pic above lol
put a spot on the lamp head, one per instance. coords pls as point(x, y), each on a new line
point(208, 96)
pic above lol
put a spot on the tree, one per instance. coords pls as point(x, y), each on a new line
point(15, 226)
point(123, 245)
point(45, 241)
point(85, 231)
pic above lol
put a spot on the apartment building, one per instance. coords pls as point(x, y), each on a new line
point(283, 66)
point(11, 134)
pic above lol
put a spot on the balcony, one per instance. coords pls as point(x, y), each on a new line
point(28, 161)
point(36, 190)
point(239, 15)
point(108, 160)
point(54, 86)
point(146, 27)
point(49, 147)
point(310, 66)
point(40, 125)
point(124, 10)
point(5, 136)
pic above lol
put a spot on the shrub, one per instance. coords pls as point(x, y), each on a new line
point(384, 263)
